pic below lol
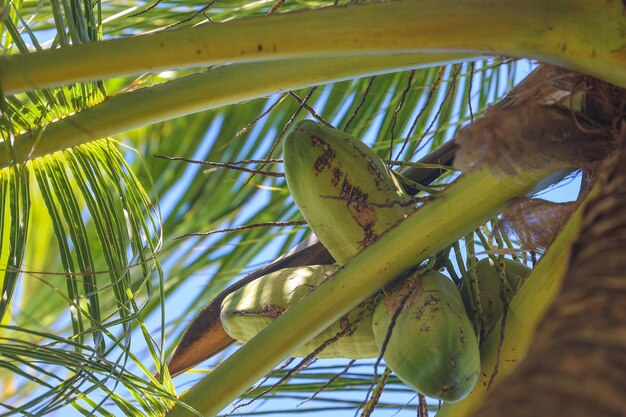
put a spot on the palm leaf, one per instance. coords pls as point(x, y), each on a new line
point(94, 268)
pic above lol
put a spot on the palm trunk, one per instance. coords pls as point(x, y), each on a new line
point(577, 363)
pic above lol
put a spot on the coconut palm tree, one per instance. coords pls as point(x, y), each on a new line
point(102, 263)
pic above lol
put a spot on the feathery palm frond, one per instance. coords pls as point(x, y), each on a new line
point(79, 243)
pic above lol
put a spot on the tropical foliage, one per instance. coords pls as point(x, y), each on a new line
point(99, 272)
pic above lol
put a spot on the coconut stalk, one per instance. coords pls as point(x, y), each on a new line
point(204, 91)
point(463, 206)
point(585, 35)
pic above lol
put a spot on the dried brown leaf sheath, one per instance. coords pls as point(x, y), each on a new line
point(536, 222)
point(529, 137)
point(554, 118)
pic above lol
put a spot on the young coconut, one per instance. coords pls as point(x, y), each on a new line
point(250, 309)
point(489, 289)
point(343, 189)
point(432, 346)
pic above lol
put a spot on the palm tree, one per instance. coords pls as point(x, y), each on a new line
point(88, 213)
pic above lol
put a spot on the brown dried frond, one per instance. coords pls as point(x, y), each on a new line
point(329, 382)
point(378, 390)
point(244, 227)
point(535, 221)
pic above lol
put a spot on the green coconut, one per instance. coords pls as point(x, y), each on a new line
point(432, 347)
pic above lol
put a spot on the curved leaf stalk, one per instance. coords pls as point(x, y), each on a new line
point(208, 90)
point(525, 311)
point(585, 35)
point(463, 206)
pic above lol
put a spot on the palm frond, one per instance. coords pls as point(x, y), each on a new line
point(95, 206)
point(68, 372)
point(79, 268)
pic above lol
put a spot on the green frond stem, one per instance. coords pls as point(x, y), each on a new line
point(585, 35)
point(525, 311)
point(471, 201)
point(207, 90)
